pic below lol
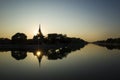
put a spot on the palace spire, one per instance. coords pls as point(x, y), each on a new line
point(39, 35)
point(40, 32)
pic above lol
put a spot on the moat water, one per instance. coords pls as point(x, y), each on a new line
point(91, 62)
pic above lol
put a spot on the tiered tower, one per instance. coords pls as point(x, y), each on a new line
point(39, 32)
point(39, 35)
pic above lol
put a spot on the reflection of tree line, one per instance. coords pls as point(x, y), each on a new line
point(51, 53)
point(18, 55)
point(109, 46)
point(109, 43)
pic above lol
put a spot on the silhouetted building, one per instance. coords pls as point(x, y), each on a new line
point(39, 35)
point(56, 36)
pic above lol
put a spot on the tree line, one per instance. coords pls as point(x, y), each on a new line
point(21, 38)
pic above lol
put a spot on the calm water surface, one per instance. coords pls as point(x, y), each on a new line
point(90, 62)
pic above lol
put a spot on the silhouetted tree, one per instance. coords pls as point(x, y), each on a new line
point(5, 41)
point(19, 38)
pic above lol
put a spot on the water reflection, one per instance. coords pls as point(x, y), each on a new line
point(39, 55)
point(52, 53)
point(18, 55)
point(91, 62)
point(109, 46)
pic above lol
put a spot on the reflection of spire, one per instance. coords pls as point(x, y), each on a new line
point(39, 59)
point(39, 56)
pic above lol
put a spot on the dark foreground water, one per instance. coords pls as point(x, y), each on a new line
point(89, 63)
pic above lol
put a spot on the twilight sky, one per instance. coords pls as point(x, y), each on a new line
point(87, 19)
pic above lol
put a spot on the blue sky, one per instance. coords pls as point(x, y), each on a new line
point(87, 19)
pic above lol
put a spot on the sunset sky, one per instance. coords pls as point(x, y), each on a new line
point(87, 19)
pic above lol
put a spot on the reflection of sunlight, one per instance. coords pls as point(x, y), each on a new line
point(38, 53)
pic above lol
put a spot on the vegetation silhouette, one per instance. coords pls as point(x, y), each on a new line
point(109, 43)
point(19, 38)
point(5, 41)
